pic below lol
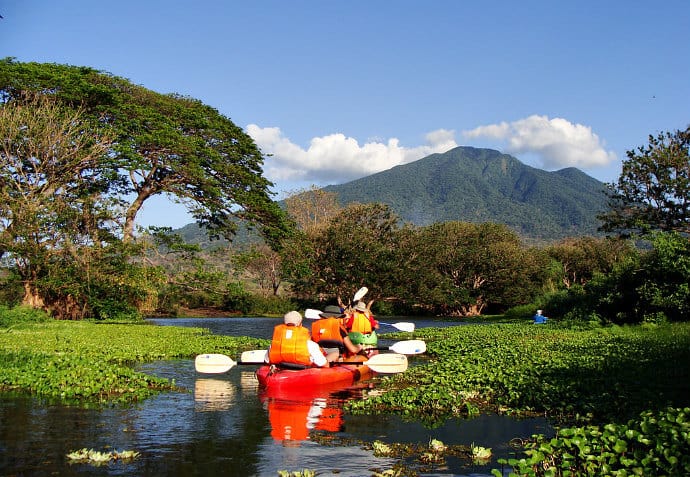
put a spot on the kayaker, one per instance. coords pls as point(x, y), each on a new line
point(330, 333)
point(539, 318)
point(292, 345)
point(361, 320)
point(361, 325)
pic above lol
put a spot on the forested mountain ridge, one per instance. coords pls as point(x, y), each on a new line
point(484, 185)
point(476, 185)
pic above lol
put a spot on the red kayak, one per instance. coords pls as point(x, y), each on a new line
point(310, 382)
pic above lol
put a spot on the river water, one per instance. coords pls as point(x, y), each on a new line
point(224, 426)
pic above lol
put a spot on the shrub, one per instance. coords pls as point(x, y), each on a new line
point(21, 314)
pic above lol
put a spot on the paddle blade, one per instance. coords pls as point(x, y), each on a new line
point(256, 356)
point(404, 326)
point(409, 347)
point(312, 314)
point(213, 363)
point(360, 294)
point(387, 363)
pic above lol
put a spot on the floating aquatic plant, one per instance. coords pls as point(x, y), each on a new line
point(94, 457)
point(297, 473)
point(436, 445)
point(381, 449)
point(480, 454)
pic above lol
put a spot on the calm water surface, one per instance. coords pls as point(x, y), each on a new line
point(224, 426)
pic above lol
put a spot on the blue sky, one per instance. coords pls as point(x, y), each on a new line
point(337, 90)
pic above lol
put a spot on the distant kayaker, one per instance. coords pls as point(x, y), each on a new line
point(292, 345)
point(330, 333)
point(539, 318)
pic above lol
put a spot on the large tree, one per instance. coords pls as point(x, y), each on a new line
point(164, 144)
point(56, 222)
point(580, 258)
point(462, 268)
point(653, 190)
point(355, 248)
point(312, 208)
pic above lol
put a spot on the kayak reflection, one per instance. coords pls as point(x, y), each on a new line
point(292, 421)
point(299, 402)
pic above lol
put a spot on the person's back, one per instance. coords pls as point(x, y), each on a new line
point(329, 330)
point(291, 344)
point(361, 320)
point(330, 333)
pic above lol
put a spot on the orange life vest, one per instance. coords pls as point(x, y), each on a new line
point(327, 329)
point(360, 322)
point(289, 345)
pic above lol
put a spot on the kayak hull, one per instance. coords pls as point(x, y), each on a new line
point(310, 382)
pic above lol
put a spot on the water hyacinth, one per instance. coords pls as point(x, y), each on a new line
point(93, 457)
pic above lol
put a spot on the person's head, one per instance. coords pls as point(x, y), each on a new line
point(292, 318)
point(361, 306)
point(331, 311)
point(538, 312)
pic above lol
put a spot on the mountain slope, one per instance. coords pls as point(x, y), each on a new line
point(484, 185)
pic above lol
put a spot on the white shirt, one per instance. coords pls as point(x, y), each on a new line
point(316, 354)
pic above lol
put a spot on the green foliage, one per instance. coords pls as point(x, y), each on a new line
point(460, 268)
point(268, 305)
point(601, 375)
point(87, 362)
point(580, 258)
point(10, 317)
point(650, 287)
point(237, 298)
point(521, 312)
point(653, 188)
point(653, 443)
point(356, 247)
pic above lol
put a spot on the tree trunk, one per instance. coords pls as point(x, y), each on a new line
point(32, 298)
point(131, 215)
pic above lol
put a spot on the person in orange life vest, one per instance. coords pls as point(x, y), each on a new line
point(361, 320)
point(329, 332)
point(292, 345)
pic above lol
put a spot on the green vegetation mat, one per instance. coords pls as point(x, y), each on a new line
point(594, 375)
point(625, 391)
point(91, 362)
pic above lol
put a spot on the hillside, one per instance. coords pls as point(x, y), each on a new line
point(484, 185)
point(476, 185)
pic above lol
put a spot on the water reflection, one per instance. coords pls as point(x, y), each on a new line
point(213, 394)
point(292, 421)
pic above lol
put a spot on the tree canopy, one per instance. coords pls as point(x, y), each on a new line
point(653, 190)
point(56, 223)
point(162, 144)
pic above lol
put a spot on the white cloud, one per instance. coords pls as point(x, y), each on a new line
point(336, 158)
point(557, 142)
